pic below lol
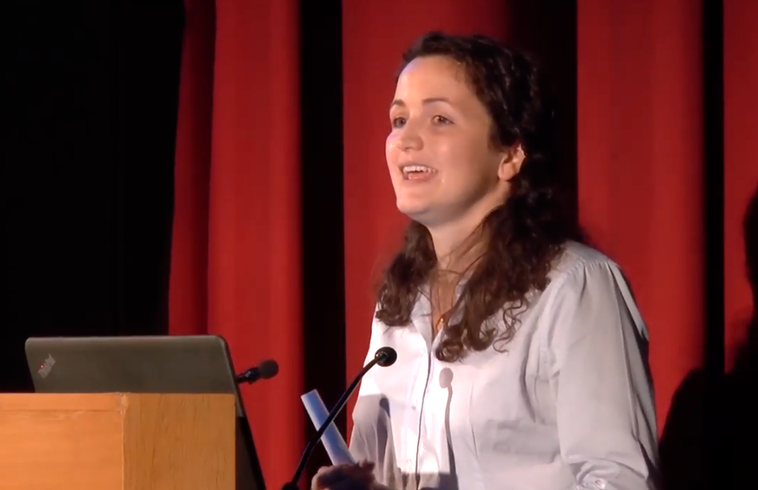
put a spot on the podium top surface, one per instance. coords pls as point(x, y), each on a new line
point(81, 402)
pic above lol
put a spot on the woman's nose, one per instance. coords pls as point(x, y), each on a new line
point(409, 139)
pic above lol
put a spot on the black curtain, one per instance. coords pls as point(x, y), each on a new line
point(89, 101)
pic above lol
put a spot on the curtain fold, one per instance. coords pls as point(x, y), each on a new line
point(237, 244)
point(740, 181)
point(640, 166)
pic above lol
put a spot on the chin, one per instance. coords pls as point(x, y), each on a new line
point(418, 213)
point(411, 209)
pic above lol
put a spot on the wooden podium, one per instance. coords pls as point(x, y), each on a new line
point(117, 441)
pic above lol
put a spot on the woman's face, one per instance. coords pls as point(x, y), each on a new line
point(439, 152)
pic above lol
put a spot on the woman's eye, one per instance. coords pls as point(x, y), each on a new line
point(398, 122)
point(440, 120)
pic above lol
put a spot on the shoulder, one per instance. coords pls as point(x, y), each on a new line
point(581, 269)
point(588, 293)
point(578, 258)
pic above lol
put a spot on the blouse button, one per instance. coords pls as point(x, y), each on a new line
point(593, 485)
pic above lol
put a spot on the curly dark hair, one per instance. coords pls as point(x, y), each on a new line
point(524, 235)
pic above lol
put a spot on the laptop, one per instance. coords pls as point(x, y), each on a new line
point(145, 364)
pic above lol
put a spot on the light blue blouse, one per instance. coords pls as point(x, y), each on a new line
point(568, 406)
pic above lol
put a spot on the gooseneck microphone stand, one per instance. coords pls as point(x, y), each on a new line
point(385, 356)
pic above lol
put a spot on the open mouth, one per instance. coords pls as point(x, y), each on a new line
point(417, 172)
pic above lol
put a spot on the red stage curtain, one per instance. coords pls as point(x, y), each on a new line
point(640, 158)
point(640, 166)
point(236, 249)
point(740, 162)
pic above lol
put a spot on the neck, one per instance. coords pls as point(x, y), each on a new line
point(460, 242)
point(457, 246)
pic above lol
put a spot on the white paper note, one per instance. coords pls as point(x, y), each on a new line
point(332, 440)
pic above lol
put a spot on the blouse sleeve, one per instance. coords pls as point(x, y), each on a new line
point(599, 372)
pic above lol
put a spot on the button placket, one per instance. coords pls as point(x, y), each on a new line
point(419, 399)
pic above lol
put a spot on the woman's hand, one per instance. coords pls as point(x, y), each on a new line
point(346, 477)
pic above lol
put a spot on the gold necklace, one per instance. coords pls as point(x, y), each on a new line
point(439, 325)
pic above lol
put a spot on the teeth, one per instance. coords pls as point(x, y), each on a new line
point(416, 168)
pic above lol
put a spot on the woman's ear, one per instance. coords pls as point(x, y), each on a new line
point(511, 163)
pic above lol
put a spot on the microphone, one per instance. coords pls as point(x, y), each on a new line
point(265, 370)
point(384, 356)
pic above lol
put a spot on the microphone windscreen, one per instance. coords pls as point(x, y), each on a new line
point(385, 356)
point(268, 369)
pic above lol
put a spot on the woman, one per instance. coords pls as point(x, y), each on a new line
point(521, 353)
